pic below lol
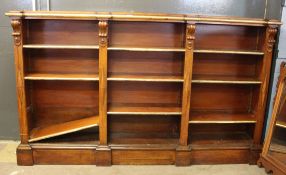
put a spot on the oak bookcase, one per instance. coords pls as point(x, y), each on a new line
point(118, 88)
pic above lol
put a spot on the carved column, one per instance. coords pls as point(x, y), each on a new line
point(264, 76)
point(24, 151)
point(103, 151)
point(183, 151)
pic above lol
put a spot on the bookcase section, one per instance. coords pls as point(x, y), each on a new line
point(115, 88)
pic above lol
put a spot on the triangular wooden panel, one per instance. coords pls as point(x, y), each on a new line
point(63, 128)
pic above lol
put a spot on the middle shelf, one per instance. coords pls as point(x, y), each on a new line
point(140, 110)
point(144, 78)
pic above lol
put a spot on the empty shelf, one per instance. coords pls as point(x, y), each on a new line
point(146, 78)
point(132, 110)
point(63, 128)
point(54, 46)
point(143, 49)
point(281, 124)
point(81, 77)
point(220, 140)
point(219, 79)
point(220, 117)
point(241, 52)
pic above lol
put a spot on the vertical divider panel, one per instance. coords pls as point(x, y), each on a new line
point(103, 43)
point(186, 98)
point(17, 25)
point(264, 75)
point(24, 151)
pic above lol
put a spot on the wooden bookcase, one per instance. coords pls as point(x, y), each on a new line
point(113, 88)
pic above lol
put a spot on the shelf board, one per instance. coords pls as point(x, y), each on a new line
point(63, 128)
point(219, 79)
point(220, 117)
point(281, 124)
point(76, 139)
point(60, 46)
point(278, 146)
point(240, 52)
point(220, 140)
point(133, 110)
point(146, 78)
point(149, 49)
point(143, 139)
point(78, 77)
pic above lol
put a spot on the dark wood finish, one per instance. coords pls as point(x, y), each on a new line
point(56, 102)
point(221, 117)
point(143, 157)
point(18, 32)
point(62, 61)
point(25, 155)
point(65, 156)
point(167, 89)
point(186, 98)
point(103, 43)
point(273, 154)
point(264, 76)
point(63, 128)
point(164, 35)
point(55, 32)
point(221, 97)
point(223, 156)
point(228, 37)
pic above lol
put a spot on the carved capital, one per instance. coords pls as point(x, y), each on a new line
point(190, 36)
point(103, 32)
point(271, 32)
point(16, 25)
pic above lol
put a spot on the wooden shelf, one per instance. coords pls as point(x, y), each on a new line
point(71, 77)
point(219, 79)
point(146, 78)
point(133, 110)
point(143, 139)
point(76, 139)
point(281, 124)
point(220, 117)
point(240, 52)
point(63, 128)
point(278, 146)
point(55, 46)
point(149, 49)
point(220, 140)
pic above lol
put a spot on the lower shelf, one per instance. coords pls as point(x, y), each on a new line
point(281, 124)
point(144, 139)
point(63, 128)
point(220, 140)
point(221, 117)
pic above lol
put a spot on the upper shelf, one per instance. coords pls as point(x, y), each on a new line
point(240, 52)
point(281, 124)
point(141, 17)
point(55, 46)
point(78, 77)
point(149, 49)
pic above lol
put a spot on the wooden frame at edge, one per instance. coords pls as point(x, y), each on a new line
point(271, 164)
